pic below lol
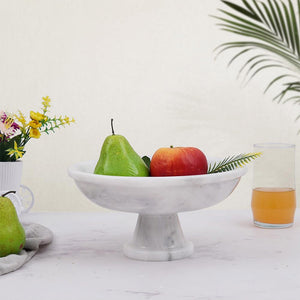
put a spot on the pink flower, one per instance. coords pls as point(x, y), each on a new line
point(7, 125)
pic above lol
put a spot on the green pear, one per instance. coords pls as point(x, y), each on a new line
point(118, 158)
point(12, 234)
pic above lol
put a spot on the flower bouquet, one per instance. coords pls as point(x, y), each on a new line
point(16, 131)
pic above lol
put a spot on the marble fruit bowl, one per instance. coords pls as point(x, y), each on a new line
point(158, 235)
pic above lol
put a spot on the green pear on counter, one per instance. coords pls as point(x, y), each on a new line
point(12, 234)
point(118, 158)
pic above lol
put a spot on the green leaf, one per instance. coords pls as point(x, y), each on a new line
point(263, 68)
point(283, 54)
point(249, 61)
point(232, 162)
point(263, 17)
point(147, 161)
point(251, 10)
point(255, 64)
point(274, 80)
point(294, 28)
point(270, 39)
point(237, 21)
point(275, 18)
point(253, 34)
point(282, 23)
point(5, 145)
point(289, 27)
point(290, 87)
point(269, 17)
point(242, 10)
point(292, 98)
point(239, 54)
point(245, 21)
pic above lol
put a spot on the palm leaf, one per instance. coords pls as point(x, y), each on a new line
point(293, 87)
point(232, 162)
point(250, 13)
point(270, 32)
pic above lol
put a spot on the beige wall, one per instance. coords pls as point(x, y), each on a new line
point(149, 65)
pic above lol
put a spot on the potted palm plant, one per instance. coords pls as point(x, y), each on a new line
point(268, 34)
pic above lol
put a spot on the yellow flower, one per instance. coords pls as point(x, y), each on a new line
point(46, 103)
point(34, 124)
point(66, 120)
point(36, 116)
point(16, 151)
point(34, 133)
point(21, 118)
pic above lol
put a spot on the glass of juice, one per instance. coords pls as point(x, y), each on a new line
point(273, 196)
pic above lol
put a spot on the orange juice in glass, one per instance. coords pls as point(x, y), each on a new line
point(273, 196)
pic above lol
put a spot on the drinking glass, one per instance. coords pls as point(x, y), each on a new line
point(273, 196)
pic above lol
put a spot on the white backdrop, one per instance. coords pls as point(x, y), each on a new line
point(149, 65)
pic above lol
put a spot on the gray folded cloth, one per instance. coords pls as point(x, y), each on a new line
point(36, 236)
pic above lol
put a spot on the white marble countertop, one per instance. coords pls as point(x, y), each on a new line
point(233, 260)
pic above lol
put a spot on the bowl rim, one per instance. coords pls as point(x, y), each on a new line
point(78, 175)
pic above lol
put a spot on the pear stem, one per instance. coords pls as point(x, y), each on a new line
point(9, 192)
point(112, 126)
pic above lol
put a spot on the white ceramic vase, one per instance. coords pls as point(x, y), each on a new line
point(10, 180)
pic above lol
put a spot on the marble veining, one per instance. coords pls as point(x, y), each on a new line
point(232, 260)
point(158, 238)
point(154, 195)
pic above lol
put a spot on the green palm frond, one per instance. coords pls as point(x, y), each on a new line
point(270, 30)
point(232, 162)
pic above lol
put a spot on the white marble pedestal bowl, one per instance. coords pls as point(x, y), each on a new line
point(158, 235)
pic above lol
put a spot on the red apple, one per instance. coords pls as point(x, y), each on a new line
point(178, 161)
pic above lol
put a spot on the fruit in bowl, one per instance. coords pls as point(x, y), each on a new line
point(178, 161)
point(118, 158)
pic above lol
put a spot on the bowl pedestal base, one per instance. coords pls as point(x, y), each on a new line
point(158, 238)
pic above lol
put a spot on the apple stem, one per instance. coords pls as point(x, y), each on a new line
point(112, 126)
point(9, 192)
point(171, 146)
